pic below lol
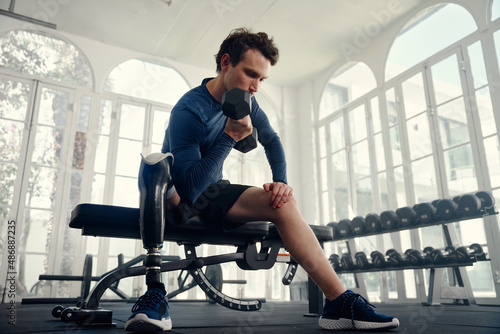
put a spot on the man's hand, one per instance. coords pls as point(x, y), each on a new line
point(281, 193)
point(239, 129)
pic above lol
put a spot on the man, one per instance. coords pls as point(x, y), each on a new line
point(200, 138)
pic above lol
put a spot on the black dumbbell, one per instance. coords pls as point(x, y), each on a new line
point(391, 258)
point(362, 261)
point(474, 253)
point(334, 260)
point(346, 262)
point(358, 225)
point(446, 209)
point(469, 205)
point(372, 222)
point(425, 212)
point(334, 227)
point(389, 220)
point(487, 200)
point(236, 104)
point(417, 258)
point(344, 228)
point(406, 216)
point(442, 257)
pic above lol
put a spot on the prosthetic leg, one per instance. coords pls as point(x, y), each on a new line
point(154, 177)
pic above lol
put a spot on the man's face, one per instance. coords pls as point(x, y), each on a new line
point(250, 72)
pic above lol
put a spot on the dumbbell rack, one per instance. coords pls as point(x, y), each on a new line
point(462, 292)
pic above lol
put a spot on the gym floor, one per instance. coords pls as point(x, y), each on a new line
point(274, 317)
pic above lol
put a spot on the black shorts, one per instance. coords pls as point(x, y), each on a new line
point(215, 202)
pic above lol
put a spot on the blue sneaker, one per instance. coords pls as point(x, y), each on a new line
point(351, 311)
point(150, 313)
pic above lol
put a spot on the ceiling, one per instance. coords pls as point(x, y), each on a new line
point(308, 33)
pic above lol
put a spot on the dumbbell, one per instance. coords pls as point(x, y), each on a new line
point(334, 260)
point(389, 220)
point(446, 209)
point(344, 228)
point(417, 258)
point(372, 222)
point(487, 200)
point(346, 262)
point(438, 256)
point(475, 252)
point(236, 104)
point(469, 205)
point(362, 261)
point(391, 257)
point(425, 213)
point(358, 225)
point(334, 227)
point(406, 216)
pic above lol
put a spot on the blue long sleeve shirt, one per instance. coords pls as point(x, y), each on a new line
point(196, 137)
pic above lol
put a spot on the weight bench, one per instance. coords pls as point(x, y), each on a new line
point(123, 222)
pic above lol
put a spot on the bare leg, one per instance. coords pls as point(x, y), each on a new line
point(299, 239)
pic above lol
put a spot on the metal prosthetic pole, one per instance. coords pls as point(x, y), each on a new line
point(154, 177)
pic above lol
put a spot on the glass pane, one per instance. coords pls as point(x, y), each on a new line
point(255, 172)
point(419, 136)
point(339, 162)
point(392, 113)
point(11, 137)
point(322, 142)
point(361, 160)
point(44, 56)
point(446, 79)
point(357, 124)
point(101, 156)
point(98, 183)
point(147, 80)
point(53, 108)
point(105, 117)
point(397, 158)
point(126, 247)
point(492, 151)
point(48, 143)
point(324, 175)
point(460, 170)
point(132, 121)
point(399, 177)
point(414, 95)
point(160, 123)
point(384, 193)
point(13, 99)
point(424, 180)
point(79, 150)
point(128, 158)
point(495, 10)
point(36, 230)
point(337, 134)
point(477, 65)
point(377, 127)
point(75, 190)
point(453, 123)
point(341, 208)
point(8, 173)
point(485, 111)
point(379, 152)
point(347, 84)
point(364, 198)
point(126, 192)
point(42, 187)
point(418, 40)
point(326, 205)
point(82, 122)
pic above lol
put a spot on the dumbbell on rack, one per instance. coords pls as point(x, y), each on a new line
point(389, 220)
point(346, 262)
point(391, 258)
point(438, 256)
point(344, 228)
point(334, 260)
point(446, 209)
point(358, 225)
point(362, 261)
point(406, 216)
point(417, 258)
point(469, 205)
point(372, 222)
point(474, 253)
point(426, 213)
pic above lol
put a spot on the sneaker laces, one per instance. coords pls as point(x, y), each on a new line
point(149, 300)
point(356, 298)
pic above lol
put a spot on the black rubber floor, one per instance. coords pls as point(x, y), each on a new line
point(274, 317)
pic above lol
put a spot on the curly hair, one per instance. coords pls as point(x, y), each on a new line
point(240, 40)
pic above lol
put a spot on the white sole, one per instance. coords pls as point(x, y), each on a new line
point(345, 324)
point(141, 323)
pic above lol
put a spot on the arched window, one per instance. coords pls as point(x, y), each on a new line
point(146, 80)
point(430, 31)
point(495, 10)
point(350, 82)
point(44, 56)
